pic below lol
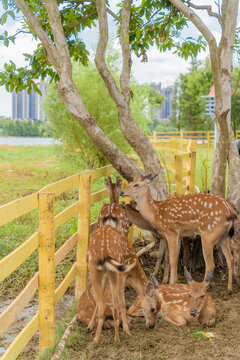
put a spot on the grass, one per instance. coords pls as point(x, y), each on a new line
point(25, 170)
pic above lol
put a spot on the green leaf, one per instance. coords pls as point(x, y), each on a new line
point(6, 42)
point(5, 4)
point(3, 19)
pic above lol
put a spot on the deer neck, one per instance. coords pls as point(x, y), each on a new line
point(145, 204)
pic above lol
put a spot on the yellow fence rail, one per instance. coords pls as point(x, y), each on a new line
point(182, 163)
point(204, 139)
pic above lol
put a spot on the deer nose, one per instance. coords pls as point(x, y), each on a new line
point(193, 313)
point(121, 193)
point(151, 327)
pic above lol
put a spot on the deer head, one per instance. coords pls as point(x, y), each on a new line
point(113, 189)
point(197, 292)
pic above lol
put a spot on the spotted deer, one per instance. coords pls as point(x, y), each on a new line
point(87, 304)
point(183, 304)
point(130, 215)
point(208, 215)
point(113, 213)
point(112, 258)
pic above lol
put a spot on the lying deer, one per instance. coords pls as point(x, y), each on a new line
point(111, 257)
point(210, 216)
point(183, 304)
point(87, 304)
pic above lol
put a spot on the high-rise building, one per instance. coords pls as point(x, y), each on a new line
point(28, 106)
point(164, 112)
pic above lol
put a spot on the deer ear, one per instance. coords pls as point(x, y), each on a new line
point(149, 178)
point(187, 275)
point(209, 277)
point(152, 285)
point(107, 183)
point(118, 182)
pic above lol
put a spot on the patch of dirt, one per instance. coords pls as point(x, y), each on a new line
point(18, 174)
point(165, 341)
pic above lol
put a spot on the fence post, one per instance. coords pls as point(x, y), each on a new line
point(208, 139)
point(46, 270)
point(192, 172)
point(83, 233)
point(179, 174)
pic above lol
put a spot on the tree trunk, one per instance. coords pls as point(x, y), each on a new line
point(58, 57)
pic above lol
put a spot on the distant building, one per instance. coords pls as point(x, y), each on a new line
point(28, 106)
point(163, 113)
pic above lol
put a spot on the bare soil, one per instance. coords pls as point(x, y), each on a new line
point(165, 341)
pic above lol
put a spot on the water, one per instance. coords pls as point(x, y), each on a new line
point(26, 141)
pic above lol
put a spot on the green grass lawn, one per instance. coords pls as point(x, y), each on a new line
point(25, 170)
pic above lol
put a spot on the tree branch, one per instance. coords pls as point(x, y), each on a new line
point(68, 30)
point(40, 33)
point(100, 54)
point(113, 15)
point(209, 10)
point(124, 40)
point(213, 49)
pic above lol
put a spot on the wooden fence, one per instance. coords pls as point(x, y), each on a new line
point(44, 240)
point(204, 139)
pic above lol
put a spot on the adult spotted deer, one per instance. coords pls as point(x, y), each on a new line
point(183, 304)
point(210, 216)
point(111, 257)
point(129, 215)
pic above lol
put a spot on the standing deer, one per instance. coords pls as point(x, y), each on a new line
point(113, 213)
point(183, 304)
point(109, 214)
point(210, 216)
point(111, 257)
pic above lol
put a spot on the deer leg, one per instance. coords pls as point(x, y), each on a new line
point(173, 247)
point(91, 324)
point(101, 309)
point(122, 281)
point(114, 282)
point(166, 265)
point(175, 318)
point(160, 255)
point(225, 246)
point(207, 247)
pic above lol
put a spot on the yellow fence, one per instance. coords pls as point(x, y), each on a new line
point(204, 139)
point(182, 164)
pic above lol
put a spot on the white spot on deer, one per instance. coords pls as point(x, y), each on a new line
point(205, 204)
point(210, 205)
point(211, 213)
point(216, 202)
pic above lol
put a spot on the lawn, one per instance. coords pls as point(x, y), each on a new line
point(25, 170)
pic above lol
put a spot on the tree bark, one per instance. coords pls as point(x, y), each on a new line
point(221, 61)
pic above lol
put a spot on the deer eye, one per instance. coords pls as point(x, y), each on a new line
point(136, 185)
point(201, 297)
point(152, 310)
point(188, 295)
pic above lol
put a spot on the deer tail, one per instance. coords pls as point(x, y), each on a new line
point(113, 265)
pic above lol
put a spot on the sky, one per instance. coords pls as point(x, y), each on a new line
point(161, 67)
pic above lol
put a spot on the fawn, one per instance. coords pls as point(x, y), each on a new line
point(183, 304)
point(111, 257)
point(210, 216)
point(87, 303)
point(113, 213)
